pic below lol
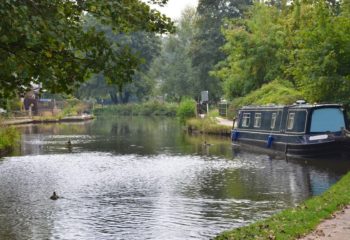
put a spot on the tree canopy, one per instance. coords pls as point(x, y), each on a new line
point(172, 69)
point(305, 43)
point(47, 41)
point(205, 50)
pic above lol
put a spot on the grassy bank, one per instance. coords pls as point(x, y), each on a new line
point(9, 138)
point(296, 222)
point(145, 109)
point(207, 125)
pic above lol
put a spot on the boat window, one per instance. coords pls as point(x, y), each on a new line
point(273, 120)
point(246, 120)
point(290, 123)
point(327, 119)
point(257, 120)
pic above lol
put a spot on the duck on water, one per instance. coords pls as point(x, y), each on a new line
point(299, 130)
point(54, 196)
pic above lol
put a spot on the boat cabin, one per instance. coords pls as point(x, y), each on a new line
point(295, 119)
point(295, 129)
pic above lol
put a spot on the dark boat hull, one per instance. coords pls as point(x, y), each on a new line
point(338, 148)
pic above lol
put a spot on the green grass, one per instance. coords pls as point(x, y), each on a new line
point(207, 125)
point(296, 222)
point(9, 137)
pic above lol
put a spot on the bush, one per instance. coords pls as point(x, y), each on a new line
point(9, 137)
point(186, 109)
point(276, 92)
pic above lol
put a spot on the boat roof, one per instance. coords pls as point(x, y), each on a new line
point(294, 106)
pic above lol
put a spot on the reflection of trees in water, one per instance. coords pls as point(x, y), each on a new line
point(209, 145)
point(272, 184)
point(120, 129)
point(55, 128)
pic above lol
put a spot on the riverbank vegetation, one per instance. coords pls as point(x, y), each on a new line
point(207, 125)
point(186, 109)
point(151, 108)
point(9, 138)
point(298, 221)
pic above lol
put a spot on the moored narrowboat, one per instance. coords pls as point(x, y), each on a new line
point(299, 130)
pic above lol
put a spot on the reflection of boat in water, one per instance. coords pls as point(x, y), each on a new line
point(300, 130)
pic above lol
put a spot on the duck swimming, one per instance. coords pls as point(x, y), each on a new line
point(54, 196)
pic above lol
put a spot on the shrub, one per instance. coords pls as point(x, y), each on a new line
point(9, 137)
point(186, 109)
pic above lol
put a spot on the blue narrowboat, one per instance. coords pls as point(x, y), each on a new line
point(299, 130)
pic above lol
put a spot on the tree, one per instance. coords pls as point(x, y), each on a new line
point(320, 60)
point(145, 46)
point(208, 39)
point(255, 48)
point(172, 68)
point(306, 43)
point(45, 41)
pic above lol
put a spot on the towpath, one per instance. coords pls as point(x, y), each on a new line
point(336, 228)
point(223, 121)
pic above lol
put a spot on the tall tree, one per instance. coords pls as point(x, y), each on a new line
point(208, 39)
point(45, 41)
point(306, 43)
point(172, 68)
point(320, 60)
point(145, 46)
point(255, 48)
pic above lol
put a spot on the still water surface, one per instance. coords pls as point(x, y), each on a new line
point(143, 178)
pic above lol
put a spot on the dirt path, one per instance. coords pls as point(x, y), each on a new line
point(337, 228)
point(223, 121)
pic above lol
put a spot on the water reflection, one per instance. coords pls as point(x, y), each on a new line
point(137, 178)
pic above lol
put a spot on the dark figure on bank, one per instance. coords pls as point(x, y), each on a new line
point(206, 144)
point(69, 145)
point(54, 196)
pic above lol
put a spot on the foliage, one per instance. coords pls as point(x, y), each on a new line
point(320, 60)
point(146, 46)
point(47, 42)
point(295, 222)
point(253, 46)
point(73, 107)
point(186, 109)
point(151, 108)
point(276, 92)
point(305, 43)
point(205, 47)
point(172, 69)
point(9, 137)
point(207, 125)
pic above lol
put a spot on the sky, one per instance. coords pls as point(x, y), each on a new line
point(174, 8)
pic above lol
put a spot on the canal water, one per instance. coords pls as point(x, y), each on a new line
point(143, 178)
